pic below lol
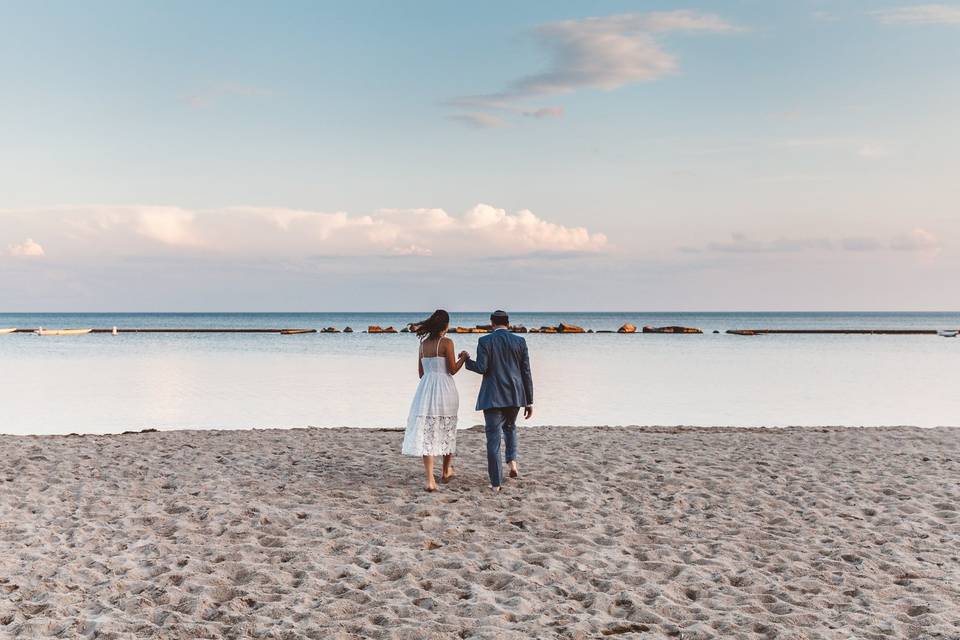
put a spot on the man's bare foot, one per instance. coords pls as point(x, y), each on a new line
point(494, 489)
point(514, 470)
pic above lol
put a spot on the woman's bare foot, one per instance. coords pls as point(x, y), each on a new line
point(430, 488)
point(446, 473)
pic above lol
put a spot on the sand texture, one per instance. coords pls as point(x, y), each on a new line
point(627, 533)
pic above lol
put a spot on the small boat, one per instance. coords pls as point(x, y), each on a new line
point(3, 331)
point(62, 332)
point(948, 333)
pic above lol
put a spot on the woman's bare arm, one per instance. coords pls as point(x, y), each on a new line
point(453, 365)
point(420, 361)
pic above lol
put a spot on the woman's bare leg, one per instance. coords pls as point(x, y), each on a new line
point(428, 468)
point(447, 468)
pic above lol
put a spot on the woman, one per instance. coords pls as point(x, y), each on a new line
point(432, 424)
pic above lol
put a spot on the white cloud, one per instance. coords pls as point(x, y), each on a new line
point(269, 232)
point(921, 14)
point(917, 240)
point(412, 250)
point(27, 249)
point(602, 53)
point(167, 225)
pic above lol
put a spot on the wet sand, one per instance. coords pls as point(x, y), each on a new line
point(611, 532)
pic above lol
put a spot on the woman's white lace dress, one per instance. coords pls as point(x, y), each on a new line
point(432, 423)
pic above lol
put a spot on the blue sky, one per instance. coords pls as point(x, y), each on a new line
point(539, 155)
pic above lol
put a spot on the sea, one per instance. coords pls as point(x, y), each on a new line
point(101, 383)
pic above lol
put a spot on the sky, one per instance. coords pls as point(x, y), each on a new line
point(351, 156)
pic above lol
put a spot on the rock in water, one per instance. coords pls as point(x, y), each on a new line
point(671, 329)
point(374, 329)
point(569, 328)
point(627, 328)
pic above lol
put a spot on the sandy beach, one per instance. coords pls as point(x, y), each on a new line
point(611, 532)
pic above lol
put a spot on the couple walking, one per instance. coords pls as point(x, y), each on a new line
point(507, 387)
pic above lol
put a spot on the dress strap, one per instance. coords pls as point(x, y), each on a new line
point(439, 340)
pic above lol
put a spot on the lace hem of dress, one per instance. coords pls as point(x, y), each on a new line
point(439, 434)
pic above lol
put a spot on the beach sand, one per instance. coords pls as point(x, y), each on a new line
point(612, 532)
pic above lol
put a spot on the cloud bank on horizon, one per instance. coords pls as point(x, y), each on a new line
point(273, 232)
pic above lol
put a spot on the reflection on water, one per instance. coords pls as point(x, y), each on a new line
point(101, 383)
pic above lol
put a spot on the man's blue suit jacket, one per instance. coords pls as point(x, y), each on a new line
point(504, 363)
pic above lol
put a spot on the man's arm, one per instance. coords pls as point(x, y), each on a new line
point(527, 378)
point(480, 364)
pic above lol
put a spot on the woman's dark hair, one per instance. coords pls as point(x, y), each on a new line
point(433, 326)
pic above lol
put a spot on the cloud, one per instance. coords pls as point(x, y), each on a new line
point(479, 120)
point(922, 14)
point(741, 243)
point(602, 53)
point(917, 240)
point(412, 250)
point(167, 225)
point(608, 53)
point(274, 232)
point(26, 249)
point(545, 112)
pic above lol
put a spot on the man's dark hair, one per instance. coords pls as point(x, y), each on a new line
point(499, 318)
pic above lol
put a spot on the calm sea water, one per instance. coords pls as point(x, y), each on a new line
point(102, 383)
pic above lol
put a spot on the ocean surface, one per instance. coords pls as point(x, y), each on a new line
point(103, 383)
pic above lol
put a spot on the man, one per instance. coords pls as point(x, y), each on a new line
point(504, 363)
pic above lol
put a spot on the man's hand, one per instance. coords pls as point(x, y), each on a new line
point(528, 412)
point(464, 355)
